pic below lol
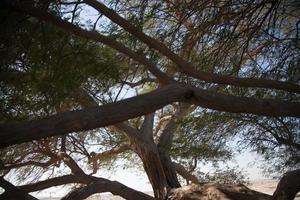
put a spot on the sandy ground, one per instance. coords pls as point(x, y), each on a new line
point(265, 186)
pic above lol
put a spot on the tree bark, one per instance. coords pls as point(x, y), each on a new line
point(288, 186)
point(113, 113)
point(153, 168)
point(185, 174)
point(142, 144)
point(93, 185)
point(12, 192)
point(212, 191)
point(164, 146)
point(52, 182)
point(113, 187)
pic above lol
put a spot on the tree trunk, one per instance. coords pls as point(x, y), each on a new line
point(288, 186)
point(165, 144)
point(153, 168)
point(169, 169)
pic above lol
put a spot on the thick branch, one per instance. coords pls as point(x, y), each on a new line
point(288, 186)
point(57, 181)
point(113, 113)
point(180, 169)
point(89, 118)
point(165, 143)
point(70, 162)
point(147, 127)
point(91, 35)
point(94, 185)
point(113, 187)
point(185, 66)
point(114, 151)
point(12, 192)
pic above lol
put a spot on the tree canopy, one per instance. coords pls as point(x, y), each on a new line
point(164, 85)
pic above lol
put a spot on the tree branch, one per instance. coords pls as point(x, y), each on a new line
point(57, 181)
point(92, 35)
point(114, 151)
point(180, 169)
point(114, 113)
point(147, 127)
point(288, 186)
point(113, 187)
point(185, 66)
point(94, 185)
point(12, 192)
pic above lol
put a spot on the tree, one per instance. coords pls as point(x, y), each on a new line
point(184, 64)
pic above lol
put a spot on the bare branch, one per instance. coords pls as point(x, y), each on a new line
point(12, 192)
point(180, 169)
point(94, 185)
point(113, 187)
point(113, 113)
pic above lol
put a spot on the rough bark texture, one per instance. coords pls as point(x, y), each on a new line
point(286, 189)
point(153, 167)
point(113, 187)
point(62, 180)
point(288, 186)
point(169, 170)
point(185, 173)
point(165, 144)
point(113, 113)
point(12, 192)
point(86, 119)
point(216, 192)
point(143, 145)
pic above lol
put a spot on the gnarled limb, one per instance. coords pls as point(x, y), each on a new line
point(288, 186)
point(153, 167)
point(98, 157)
point(185, 173)
point(113, 113)
point(147, 151)
point(212, 191)
point(113, 187)
point(142, 144)
point(165, 143)
point(185, 66)
point(86, 119)
point(52, 182)
point(92, 185)
point(12, 192)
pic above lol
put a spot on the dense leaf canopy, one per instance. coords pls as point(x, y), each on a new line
point(212, 73)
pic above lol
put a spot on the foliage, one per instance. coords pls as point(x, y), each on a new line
point(46, 70)
point(42, 66)
point(224, 175)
